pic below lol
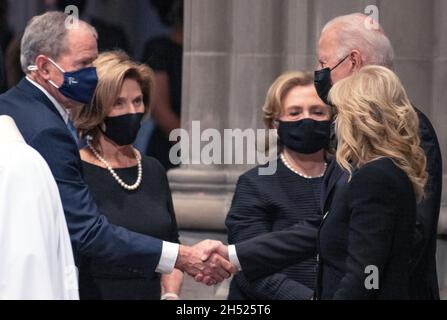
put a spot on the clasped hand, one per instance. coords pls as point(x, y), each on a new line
point(207, 262)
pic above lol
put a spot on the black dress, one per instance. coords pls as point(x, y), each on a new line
point(147, 210)
point(263, 204)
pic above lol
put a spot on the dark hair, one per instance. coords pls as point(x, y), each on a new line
point(4, 7)
point(169, 11)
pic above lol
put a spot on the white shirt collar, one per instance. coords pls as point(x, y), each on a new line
point(65, 114)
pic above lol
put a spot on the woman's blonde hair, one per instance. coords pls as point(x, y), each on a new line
point(375, 119)
point(278, 91)
point(113, 68)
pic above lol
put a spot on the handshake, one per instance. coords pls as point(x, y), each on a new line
point(207, 262)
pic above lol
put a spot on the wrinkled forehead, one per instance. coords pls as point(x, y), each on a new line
point(81, 44)
point(328, 43)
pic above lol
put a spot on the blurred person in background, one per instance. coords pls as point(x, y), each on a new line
point(111, 36)
point(6, 37)
point(164, 55)
point(6, 33)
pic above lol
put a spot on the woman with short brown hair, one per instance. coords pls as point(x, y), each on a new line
point(131, 190)
point(291, 195)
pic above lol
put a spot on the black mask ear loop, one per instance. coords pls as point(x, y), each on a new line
point(343, 60)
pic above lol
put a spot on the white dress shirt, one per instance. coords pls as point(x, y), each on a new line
point(232, 255)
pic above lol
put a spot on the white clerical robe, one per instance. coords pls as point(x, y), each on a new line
point(36, 258)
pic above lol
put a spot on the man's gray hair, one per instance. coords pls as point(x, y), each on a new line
point(46, 34)
point(355, 32)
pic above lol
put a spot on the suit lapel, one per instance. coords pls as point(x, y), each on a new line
point(330, 179)
point(31, 90)
point(335, 173)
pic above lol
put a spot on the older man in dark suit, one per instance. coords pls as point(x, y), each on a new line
point(347, 44)
point(57, 52)
point(364, 42)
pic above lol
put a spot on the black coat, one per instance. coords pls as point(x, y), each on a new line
point(423, 275)
point(266, 203)
point(371, 223)
point(424, 278)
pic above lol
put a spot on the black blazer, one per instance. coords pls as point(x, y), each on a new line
point(423, 275)
point(265, 203)
point(91, 234)
point(371, 223)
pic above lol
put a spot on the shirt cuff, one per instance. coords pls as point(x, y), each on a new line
point(168, 257)
point(232, 255)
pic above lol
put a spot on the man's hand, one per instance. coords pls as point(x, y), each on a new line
point(200, 261)
point(220, 252)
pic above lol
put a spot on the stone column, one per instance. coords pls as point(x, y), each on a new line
point(233, 51)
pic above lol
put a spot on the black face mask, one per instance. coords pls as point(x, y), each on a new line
point(305, 136)
point(123, 130)
point(323, 81)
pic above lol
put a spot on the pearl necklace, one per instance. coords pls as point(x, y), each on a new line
point(117, 178)
point(289, 166)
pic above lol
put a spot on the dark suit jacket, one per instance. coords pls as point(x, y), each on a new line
point(371, 223)
point(274, 251)
point(424, 278)
point(297, 243)
point(3, 82)
point(91, 234)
